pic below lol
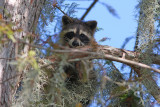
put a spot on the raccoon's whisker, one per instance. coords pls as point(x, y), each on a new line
point(70, 42)
point(86, 42)
point(82, 44)
point(79, 42)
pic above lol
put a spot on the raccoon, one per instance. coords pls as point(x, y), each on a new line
point(78, 33)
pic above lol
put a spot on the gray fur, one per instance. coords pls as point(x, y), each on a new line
point(82, 78)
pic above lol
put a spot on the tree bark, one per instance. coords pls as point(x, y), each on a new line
point(23, 14)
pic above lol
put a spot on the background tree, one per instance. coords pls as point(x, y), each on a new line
point(18, 19)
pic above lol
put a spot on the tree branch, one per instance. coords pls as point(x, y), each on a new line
point(115, 54)
point(104, 52)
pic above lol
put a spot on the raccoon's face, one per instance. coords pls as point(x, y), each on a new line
point(77, 33)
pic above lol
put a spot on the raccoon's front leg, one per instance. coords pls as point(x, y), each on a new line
point(72, 76)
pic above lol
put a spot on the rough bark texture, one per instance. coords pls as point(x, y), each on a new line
point(24, 14)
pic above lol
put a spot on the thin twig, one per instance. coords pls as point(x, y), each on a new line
point(60, 10)
point(63, 12)
point(90, 7)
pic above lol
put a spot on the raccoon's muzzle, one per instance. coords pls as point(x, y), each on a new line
point(75, 43)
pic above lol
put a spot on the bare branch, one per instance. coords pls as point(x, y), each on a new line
point(90, 7)
point(104, 52)
point(122, 60)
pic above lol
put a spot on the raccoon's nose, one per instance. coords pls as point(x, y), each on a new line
point(75, 43)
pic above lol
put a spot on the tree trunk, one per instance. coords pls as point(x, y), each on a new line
point(145, 43)
point(23, 14)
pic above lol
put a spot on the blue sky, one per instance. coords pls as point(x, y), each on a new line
point(117, 29)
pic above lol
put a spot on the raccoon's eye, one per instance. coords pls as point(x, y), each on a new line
point(84, 38)
point(69, 35)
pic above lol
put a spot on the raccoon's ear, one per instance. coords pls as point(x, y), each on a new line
point(92, 24)
point(66, 20)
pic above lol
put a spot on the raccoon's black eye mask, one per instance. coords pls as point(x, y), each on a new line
point(76, 39)
point(69, 35)
point(83, 38)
